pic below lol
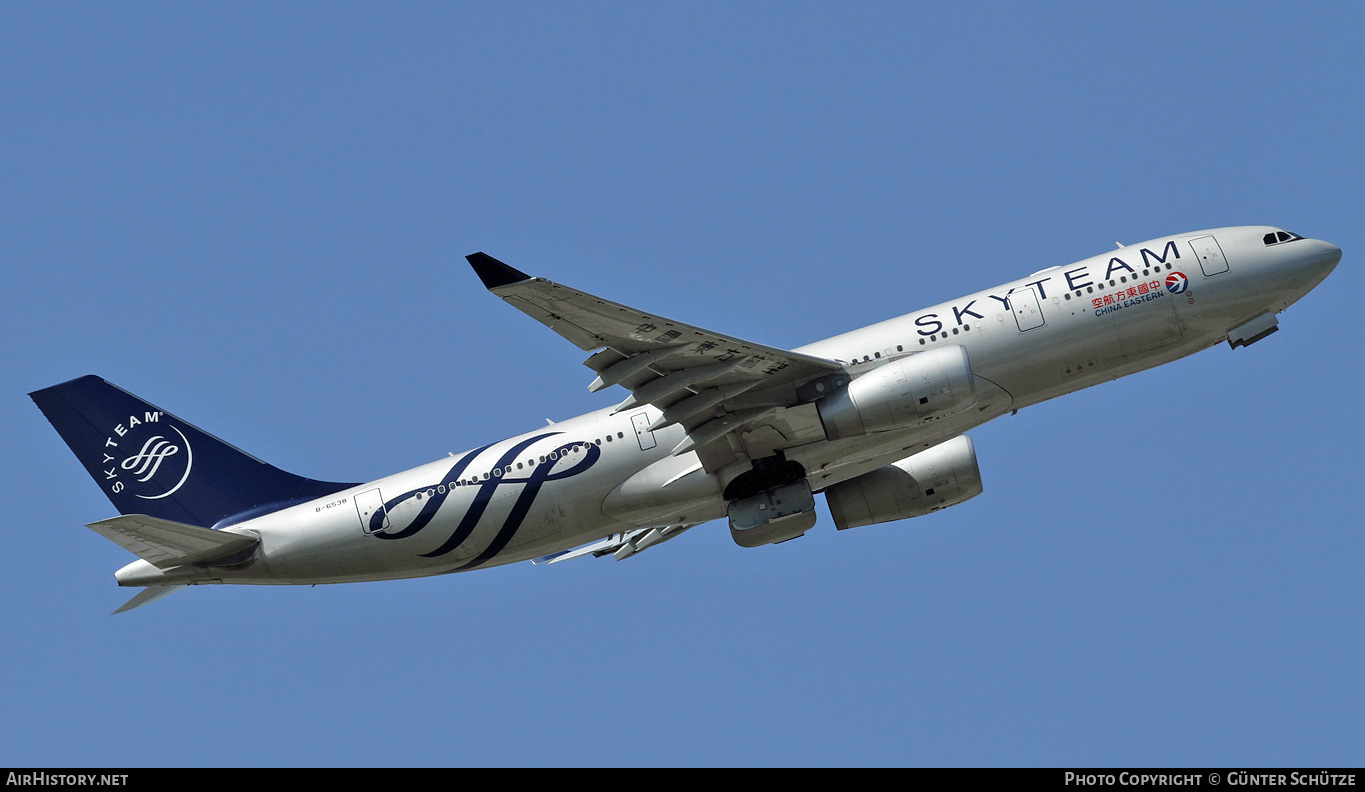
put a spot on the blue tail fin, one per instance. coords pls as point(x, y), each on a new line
point(151, 462)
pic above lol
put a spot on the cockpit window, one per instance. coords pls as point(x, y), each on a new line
point(1276, 237)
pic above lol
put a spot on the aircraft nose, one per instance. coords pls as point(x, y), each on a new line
point(1313, 262)
point(1324, 258)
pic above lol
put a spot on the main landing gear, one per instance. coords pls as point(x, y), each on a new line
point(770, 503)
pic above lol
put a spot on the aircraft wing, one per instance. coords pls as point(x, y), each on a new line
point(621, 546)
point(736, 399)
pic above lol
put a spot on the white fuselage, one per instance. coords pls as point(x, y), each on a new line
point(603, 473)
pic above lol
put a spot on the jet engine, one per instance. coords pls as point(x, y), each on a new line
point(934, 479)
point(900, 393)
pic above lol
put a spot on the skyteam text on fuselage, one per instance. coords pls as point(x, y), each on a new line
point(712, 426)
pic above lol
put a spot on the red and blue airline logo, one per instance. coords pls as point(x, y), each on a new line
point(1177, 282)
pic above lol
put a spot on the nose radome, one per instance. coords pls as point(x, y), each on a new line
point(1325, 258)
point(1316, 262)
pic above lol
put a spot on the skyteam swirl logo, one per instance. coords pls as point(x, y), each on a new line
point(146, 457)
point(147, 461)
point(579, 456)
point(1177, 283)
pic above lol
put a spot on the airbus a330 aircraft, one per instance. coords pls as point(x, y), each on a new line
point(713, 426)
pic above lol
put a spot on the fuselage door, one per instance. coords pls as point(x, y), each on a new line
point(1210, 255)
point(369, 504)
point(641, 423)
point(1027, 311)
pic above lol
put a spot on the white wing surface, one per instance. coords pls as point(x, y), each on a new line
point(166, 543)
point(737, 400)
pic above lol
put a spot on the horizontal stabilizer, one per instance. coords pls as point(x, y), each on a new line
point(149, 595)
point(166, 544)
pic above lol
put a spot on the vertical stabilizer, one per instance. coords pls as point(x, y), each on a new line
point(151, 462)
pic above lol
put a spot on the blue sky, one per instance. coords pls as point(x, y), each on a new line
point(255, 216)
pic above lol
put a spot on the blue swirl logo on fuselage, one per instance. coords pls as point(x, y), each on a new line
point(531, 483)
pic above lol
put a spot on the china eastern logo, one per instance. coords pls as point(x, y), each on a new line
point(1177, 282)
point(147, 457)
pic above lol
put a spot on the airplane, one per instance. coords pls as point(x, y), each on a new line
point(712, 427)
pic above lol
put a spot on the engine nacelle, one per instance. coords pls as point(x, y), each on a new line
point(922, 387)
point(933, 479)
